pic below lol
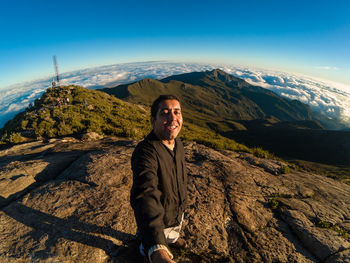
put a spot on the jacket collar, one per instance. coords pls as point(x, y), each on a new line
point(152, 137)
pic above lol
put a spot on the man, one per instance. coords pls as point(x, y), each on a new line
point(159, 191)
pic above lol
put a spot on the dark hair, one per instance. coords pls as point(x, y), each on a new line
point(154, 107)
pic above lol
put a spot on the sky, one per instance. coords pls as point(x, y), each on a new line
point(308, 37)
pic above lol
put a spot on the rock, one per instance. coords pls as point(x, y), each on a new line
point(91, 136)
point(341, 257)
point(271, 166)
point(68, 220)
point(68, 201)
point(322, 242)
point(18, 176)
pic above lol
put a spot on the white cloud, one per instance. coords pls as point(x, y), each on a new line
point(327, 97)
point(327, 68)
point(15, 107)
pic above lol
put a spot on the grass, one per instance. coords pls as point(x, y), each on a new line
point(334, 227)
point(87, 111)
point(274, 204)
point(285, 169)
point(191, 132)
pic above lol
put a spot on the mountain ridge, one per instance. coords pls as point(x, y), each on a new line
point(195, 88)
point(248, 114)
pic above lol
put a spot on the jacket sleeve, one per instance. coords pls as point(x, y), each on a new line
point(146, 196)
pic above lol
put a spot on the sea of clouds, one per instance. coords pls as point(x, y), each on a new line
point(329, 98)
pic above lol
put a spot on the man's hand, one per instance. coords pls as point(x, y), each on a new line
point(161, 256)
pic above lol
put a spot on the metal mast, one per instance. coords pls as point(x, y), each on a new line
point(56, 68)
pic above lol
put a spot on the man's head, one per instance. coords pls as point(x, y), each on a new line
point(166, 118)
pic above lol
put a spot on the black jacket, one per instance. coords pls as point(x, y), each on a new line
point(159, 191)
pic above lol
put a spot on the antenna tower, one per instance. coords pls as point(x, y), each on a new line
point(56, 68)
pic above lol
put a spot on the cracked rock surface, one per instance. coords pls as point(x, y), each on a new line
point(68, 201)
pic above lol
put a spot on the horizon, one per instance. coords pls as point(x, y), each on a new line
point(300, 38)
point(49, 77)
point(332, 99)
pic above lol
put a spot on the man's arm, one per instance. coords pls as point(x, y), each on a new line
point(146, 198)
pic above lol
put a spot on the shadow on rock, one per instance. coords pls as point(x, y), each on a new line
point(54, 230)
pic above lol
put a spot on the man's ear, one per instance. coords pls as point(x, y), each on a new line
point(152, 120)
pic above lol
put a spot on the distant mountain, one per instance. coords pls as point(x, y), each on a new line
point(214, 98)
point(249, 114)
point(327, 98)
point(252, 101)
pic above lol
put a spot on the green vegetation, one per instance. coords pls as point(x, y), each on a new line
point(285, 169)
point(84, 111)
point(95, 111)
point(273, 203)
point(261, 153)
point(191, 132)
point(15, 138)
point(334, 227)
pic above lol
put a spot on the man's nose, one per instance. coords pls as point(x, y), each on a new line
point(171, 116)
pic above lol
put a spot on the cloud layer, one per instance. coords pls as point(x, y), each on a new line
point(330, 98)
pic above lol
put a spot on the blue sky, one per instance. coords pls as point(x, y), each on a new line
point(310, 37)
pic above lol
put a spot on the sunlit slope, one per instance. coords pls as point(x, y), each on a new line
point(74, 110)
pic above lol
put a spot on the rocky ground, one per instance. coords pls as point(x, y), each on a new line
point(67, 200)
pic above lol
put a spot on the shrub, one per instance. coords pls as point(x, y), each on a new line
point(285, 169)
point(336, 228)
point(15, 138)
point(261, 153)
point(45, 129)
point(24, 124)
point(273, 203)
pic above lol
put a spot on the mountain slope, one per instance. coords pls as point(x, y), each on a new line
point(215, 95)
point(95, 111)
point(73, 110)
point(238, 91)
point(248, 114)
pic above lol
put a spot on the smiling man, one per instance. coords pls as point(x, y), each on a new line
point(159, 191)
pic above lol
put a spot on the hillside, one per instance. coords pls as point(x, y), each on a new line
point(73, 110)
point(213, 97)
point(248, 114)
point(67, 200)
point(89, 111)
point(252, 102)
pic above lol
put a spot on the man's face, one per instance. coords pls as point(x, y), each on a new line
point(168, 121)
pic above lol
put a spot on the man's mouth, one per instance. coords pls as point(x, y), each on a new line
point(171, 127)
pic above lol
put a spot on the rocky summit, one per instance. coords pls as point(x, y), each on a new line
point(67, 200)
